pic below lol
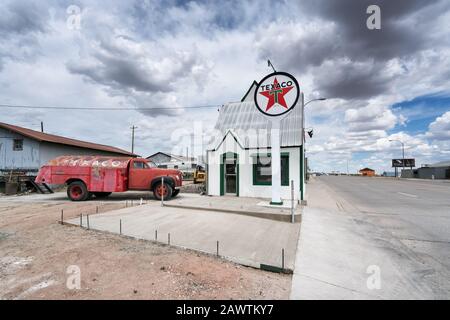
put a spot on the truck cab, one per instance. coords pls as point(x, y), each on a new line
point(145, 175)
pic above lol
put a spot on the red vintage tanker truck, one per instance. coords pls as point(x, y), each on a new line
point(99, 176)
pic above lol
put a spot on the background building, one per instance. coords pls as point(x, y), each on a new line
point(167, 160)
point(23, 151)
point(367, 172)
point(439, 170)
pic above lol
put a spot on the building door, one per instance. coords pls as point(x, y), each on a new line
point(230, 176)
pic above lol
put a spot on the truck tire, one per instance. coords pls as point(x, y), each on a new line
point(77, 191)
point(175, 193)
point(160, 189)
point(101, 194)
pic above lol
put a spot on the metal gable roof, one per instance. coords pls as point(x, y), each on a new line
point(253, 129)
point(39, 136)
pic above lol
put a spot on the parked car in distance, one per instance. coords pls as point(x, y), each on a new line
point(99, 176)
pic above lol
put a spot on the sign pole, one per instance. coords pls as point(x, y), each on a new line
point(276, 96)
point(276, 162)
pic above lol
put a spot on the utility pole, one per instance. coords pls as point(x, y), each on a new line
point(403, 153)
point(132, 137)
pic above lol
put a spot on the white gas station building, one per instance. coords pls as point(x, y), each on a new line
point(239, 160)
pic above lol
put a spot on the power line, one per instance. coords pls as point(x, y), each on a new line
point(105, 108)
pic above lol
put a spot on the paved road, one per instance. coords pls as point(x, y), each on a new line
point(352, 224)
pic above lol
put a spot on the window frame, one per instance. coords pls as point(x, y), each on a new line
point(284, 166)
point(15, 148)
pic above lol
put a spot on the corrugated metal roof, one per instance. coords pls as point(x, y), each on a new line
point(253, 128)
point(39, 136)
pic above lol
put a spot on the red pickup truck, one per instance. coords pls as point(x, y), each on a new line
point(100, 176)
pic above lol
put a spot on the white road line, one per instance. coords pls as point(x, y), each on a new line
point(408, 194)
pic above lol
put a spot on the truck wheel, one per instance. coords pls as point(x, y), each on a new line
point(161, 189)
point(77, 191)
point(175, 193)
point(101, 194)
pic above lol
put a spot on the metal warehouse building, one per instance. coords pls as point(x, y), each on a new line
point(439, 170)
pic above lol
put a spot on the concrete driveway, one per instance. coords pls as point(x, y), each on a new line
point(374, 238)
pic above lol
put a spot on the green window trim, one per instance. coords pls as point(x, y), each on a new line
point(284, 170)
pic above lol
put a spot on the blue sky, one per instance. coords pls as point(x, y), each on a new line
point(391, 83)
point(421, 111)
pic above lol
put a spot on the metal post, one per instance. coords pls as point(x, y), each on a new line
point(282, 259)
point(168, 239)
point(302, 156)
point(217, 248)
point(87, 217)
point(156, 235)
point(132, 137)
point(62, 216)
point(276, 162)
point(292, 201)
point(162, 192)
point(120, 226)
point(403, 154)
point(81, 220)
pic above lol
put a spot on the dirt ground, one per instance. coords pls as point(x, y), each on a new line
point(36, 251)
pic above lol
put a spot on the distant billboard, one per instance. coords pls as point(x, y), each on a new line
point(400, 163)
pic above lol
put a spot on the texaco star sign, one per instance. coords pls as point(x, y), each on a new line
point(277, 94)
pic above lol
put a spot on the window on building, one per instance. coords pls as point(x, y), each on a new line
point(262, 170)
point(18, 144)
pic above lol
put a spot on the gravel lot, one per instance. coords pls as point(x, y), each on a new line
point(35, 252)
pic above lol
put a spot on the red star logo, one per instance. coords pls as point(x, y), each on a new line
point(276, 95)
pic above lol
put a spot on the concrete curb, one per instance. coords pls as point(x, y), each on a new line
point(264, 215)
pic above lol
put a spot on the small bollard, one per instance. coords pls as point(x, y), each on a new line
point(282, 259)
point(156, 235)
point(292, 202)
point(168, 239)
point(87, 217)
point(81, 220)
point(62, 216)
point(120, 226)
point(217, 252)
point(140, 203)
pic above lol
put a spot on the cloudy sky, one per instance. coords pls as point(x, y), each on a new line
point(392, 83)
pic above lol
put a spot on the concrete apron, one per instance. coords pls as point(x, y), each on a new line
point(249, 241)
point(254, 207)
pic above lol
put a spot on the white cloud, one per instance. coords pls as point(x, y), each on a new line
point(439, 129)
